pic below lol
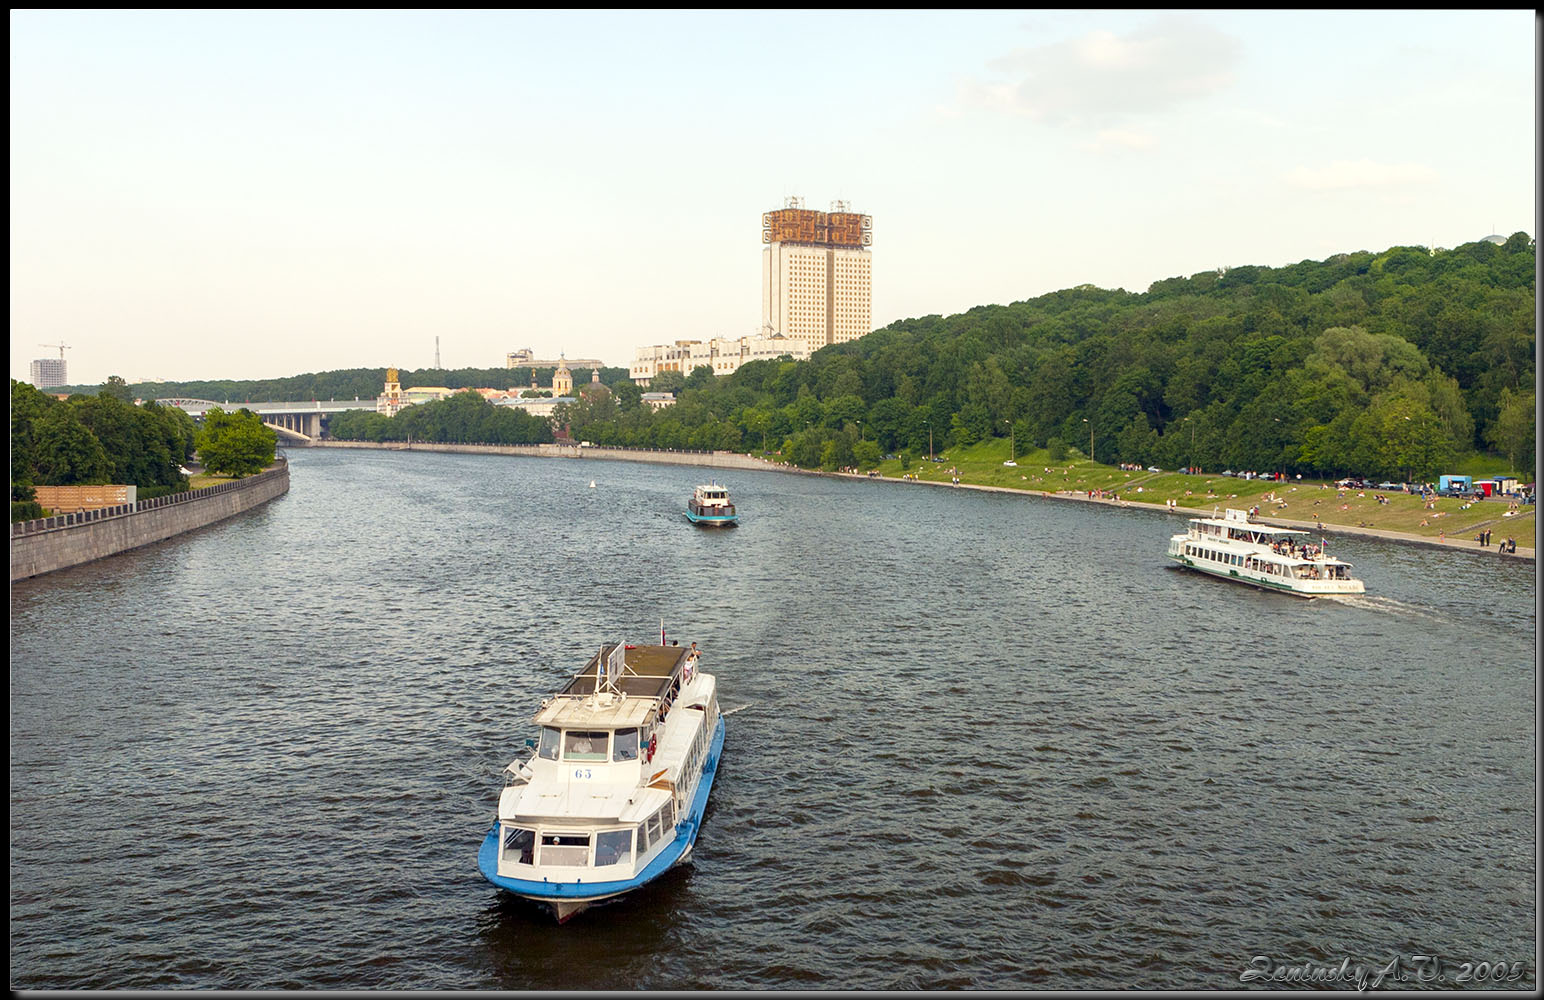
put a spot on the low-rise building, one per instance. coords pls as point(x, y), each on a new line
point(526, 358)
point(722, 354)
point(538, 407)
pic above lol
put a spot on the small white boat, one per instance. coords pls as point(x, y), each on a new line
point(615, 790)
point(1235, 548)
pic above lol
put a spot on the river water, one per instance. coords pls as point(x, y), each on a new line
point(980, 741)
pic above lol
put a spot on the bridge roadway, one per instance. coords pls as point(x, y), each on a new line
point(299, 421)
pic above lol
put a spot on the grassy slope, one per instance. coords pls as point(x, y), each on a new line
point(1303, 500)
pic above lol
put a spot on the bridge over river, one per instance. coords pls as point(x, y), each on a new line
point(297, 421)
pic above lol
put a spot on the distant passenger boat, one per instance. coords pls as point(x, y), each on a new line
point(1235, 548)
point(710, 507)
point(615, 791)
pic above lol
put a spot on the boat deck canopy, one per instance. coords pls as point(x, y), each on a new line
point(648, 673)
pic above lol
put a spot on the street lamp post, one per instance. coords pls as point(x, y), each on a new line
point(1090, 439)
point(1013, 451)
point(930, 440)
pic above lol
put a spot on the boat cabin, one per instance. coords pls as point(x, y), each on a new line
point(711, 499)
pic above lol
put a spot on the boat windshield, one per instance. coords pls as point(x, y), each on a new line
point(625, 745)
point(571, 849)
point(548, 749)
point(583, 744)
point(519, 844)
point(613, 847)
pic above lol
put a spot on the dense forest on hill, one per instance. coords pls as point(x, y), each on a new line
point(1385, 364)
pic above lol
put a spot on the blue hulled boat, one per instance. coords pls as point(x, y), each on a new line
point(614, 793)
point(711, 508)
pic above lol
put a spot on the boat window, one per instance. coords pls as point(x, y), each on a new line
point(613, 847)
point(548, 749)
point(580, 744)
point(518, 844)
point(571, 849)
point(625, 746)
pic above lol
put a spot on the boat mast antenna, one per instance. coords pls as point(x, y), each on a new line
point(609, 668)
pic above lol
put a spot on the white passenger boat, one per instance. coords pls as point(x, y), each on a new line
point(613, 794)
point(1236, 548)
point(710, 506)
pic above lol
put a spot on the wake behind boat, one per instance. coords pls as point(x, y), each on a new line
point(1235, 548)
point(615, 791)
point(710, 507)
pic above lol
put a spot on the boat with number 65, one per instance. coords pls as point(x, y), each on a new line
point(1236, 548)
point(613, 793)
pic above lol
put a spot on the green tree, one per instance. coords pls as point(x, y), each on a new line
point(627, 393)
point(668, 382)
point(235, 444)
point(67, 453)
point(118, 389)
point(1513, 433)
point(1399, 436)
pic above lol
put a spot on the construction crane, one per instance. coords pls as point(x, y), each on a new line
point(62, 348)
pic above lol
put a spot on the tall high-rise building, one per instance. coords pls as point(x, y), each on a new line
point(815, 274)
point(47, 373)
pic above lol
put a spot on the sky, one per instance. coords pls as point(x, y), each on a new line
point(251, 195)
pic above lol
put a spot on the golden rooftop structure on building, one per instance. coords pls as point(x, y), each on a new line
point(815, 274)
point(837, 228)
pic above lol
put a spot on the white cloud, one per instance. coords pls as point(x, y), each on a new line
point(1101, 75)
point(1116, 139)
point(1345, 175)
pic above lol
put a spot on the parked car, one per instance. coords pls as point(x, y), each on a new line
point(1153, 468)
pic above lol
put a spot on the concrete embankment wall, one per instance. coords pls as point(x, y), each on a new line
point(53, 543)
point(710, 459)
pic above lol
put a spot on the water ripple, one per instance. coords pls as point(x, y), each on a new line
point(978, 741)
